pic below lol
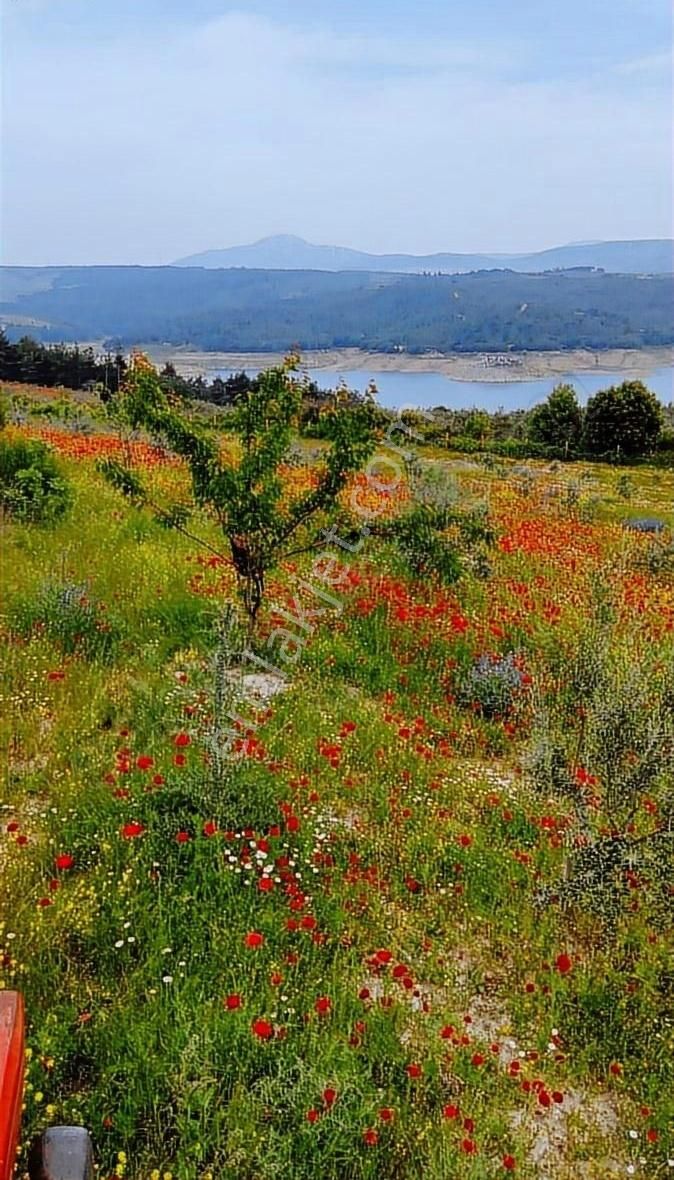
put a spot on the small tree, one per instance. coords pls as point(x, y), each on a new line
point(477, 425)
point(245, 493)
point(626, 418)
point(558, 422)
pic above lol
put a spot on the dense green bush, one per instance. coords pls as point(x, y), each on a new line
point(32, 486)
point(509, 448)
point(558, 422)
point(626, 419)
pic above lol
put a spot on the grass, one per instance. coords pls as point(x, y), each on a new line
point(330, 959)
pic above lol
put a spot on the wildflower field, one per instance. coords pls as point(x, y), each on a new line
point(417, 922)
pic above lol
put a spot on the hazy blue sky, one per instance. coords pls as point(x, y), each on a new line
point(140, 131)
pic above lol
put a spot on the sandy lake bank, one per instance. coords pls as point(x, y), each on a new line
point(516, 366)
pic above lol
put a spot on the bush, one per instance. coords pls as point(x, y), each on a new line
point(626, 419)
point(31, 484)
point(493, 685)
point(606, 772)
point(558, 422)
point(509, 448)
point(645, 524)
point(69, 617)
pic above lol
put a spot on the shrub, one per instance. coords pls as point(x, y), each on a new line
point(32, 486)
point(625, 419)
point(439, 542)
point(493, 685)
point(67, 615)
point(558, 422)
point(608, 772)
point(624, 487)
point(645, 524)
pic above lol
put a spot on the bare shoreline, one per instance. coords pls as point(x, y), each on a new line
point(486, 367)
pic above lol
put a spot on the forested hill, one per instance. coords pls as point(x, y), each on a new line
point(260, 310)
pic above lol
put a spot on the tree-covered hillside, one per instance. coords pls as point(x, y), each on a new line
point(259, 310)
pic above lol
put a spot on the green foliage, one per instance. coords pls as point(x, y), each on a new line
point(615, 774)
point(493, 684)
point(258, 310)
point(625, 487)
point(59, 364)
point(68, 616)
point(626, 419)
point(32, 486)
point(440, 542)
point(477, 425)
point(558, 422)
point(245, 494)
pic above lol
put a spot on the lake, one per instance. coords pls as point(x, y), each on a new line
point(428, 390)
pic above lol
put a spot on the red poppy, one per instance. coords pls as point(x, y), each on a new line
point(323, 1005)
point(262, 1029)
point(563, 963)
point(329, 1096)
point(468, 1146)
point(386, 1114)
point(254, 939)
point(233, 1002)
point(265, 884)
point(450, 1111)
point(371, 1137)
point(144, 762)
point(313, 1115)
point(210, 828)
point(182, 837)
point(414, 1070)
point(130, 831)
point(509, 1163)
point(64, 861)
point(181, 740)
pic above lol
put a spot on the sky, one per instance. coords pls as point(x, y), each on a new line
point(140, 131)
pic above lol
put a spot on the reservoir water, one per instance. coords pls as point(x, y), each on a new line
point(429, 390)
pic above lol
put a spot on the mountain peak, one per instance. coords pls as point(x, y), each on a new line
point(279, 239)
point(289, 252)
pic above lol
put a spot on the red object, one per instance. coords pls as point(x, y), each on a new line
point(11, 1078)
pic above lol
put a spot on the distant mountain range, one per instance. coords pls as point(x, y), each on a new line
point(286, 252)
